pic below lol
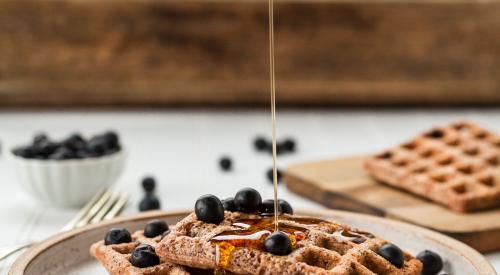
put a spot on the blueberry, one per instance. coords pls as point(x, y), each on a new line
point(269, 175)
point(225, 163)
point(62, 153)
point(40, 137)
point(97, 146)
point(76, 136)
point(155, 228)
point(278, 243)
point(228, 204)
point(289, 145)
point(149, 202)
point(82, 154)
point(74, 142)
point(111, 151)
point(117, 236)
point(247, 200)
point(432, 262)
point(209, 209)
point(261, 144)
point(45, 148)
point(148, 184)
point(286, 208)
point(144, 256)
point(267, 207)
point(392, 253)
point(112, 139)
point(24, 152)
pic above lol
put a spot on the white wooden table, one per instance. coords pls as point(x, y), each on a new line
point(181, 148)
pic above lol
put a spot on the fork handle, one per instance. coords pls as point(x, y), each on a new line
point(15, 249)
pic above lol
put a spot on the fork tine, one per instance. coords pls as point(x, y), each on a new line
point(83, 212)
point(117, 208)
point(95, 208)
point(106, 207)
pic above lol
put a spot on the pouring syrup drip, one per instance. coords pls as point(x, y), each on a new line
point(273, 108)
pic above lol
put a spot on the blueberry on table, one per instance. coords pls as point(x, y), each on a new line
point(225, 163)
point(267, 207)
point(155, 228)
point(149, 202)
point(278, 243)
point(289, 145)
point(209, 209)
point(261, 144)
point(392, 253)
point(144, 256)
point(286, 208)
point(269, 175)
point(247, 200)
point(228, 204)
point(432, 262)
point(148, 184)
point(117, 236)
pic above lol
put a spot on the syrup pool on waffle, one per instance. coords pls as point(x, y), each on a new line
point(252, 233)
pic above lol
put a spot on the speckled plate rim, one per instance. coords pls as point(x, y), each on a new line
point(475, 259)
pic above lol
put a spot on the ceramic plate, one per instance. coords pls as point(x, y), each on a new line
point(67, 253)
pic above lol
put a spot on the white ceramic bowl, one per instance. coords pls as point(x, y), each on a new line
point(68, 183)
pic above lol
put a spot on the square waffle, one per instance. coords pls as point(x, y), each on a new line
point(116, 258)
point(323, 250)
point(456, 165)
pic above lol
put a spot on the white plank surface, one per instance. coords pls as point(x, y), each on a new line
point(181, 148)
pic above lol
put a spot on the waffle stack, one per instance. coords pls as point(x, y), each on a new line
point(323, 250)
point(457, 165)
point(116, 258)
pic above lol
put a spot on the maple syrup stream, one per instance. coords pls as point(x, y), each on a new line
point(273, 108)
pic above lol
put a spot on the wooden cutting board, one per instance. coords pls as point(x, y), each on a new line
point(343, 184)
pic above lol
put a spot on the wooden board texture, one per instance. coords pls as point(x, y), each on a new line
point(343, 184)
point(156, 52)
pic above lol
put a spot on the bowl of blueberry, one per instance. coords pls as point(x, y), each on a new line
point(68, 172)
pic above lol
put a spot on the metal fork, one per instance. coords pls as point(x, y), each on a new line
point(105, 205)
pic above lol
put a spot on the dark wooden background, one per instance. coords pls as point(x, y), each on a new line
point(205, 52)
